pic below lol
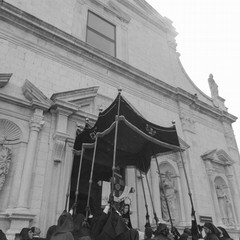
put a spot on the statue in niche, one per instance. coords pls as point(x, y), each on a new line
point(224, 205)
point(213, 86)
point(168, 196)
point(5, 159)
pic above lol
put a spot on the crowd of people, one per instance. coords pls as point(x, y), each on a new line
point(112, 224)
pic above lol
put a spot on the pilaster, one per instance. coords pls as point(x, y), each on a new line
point(35, 124)
point(186, 211)
point(234, 194)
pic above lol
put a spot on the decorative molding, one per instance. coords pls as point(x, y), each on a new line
point(188, 124)
point(15, 101)
point(5, 160)
point(59, 148)
point(4, 79)
point(79, 97)
point(122, 15)
point(35, 96)
point(36, 123)
point(112, 8)
point(10, 131)
point(151, 15)
point(17, 215)
point(219, 157)
point(81, 2)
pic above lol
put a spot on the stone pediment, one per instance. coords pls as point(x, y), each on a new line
point(218, 156)
point(78, 99)
point(35, 96)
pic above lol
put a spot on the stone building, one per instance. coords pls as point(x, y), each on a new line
point(60, 61)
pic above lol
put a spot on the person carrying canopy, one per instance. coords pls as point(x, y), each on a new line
point(211, 231)
point(64, 227)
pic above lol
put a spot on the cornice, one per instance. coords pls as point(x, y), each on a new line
point(15, 101)
point(77, 96)
point(49, 33)
point(4, 79)
point(145, 16)
point(113, 9)
point(35, 96)
point(200, 106)
point(73, 100)
point(151, 15)
point(218, 156)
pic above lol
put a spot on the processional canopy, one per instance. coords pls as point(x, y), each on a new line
point(137, 139)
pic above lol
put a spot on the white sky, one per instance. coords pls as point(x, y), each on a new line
point(209, 42)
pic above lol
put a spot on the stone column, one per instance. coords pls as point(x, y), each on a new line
point(155, 188)
point(234, 194)
point(62, 159)
point(36, 123)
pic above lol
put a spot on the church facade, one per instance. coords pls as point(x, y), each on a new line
point(62, 61)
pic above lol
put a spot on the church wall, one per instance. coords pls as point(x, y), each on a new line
point(132, 46)
point(53, 69)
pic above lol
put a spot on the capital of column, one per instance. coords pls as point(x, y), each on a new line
point(36, 122)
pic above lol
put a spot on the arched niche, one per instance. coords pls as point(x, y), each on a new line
point(10, 138)
point(169, 192)
point(224, 201)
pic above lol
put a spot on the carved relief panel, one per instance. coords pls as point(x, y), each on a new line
point(9, 134)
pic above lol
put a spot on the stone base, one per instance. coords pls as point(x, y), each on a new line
point(16, 220)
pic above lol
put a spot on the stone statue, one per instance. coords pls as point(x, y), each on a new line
point(224, 205)
point(5, 159)
point(213, 86)
point(167, 187)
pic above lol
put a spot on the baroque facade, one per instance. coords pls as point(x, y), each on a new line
point(60, 62)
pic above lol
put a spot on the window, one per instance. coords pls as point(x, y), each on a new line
point(101, 34)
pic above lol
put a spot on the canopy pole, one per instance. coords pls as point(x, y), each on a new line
point(188, 186)
point(164, 193)
point(150, 195)
point(115, 147)
point(69, 186)
point(78, 179)
point(186, 177)
point(145, 200)
point(194, 220)
point(91, 177)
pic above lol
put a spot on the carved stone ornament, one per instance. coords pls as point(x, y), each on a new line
point(5, 159)
point(9, 134)
point(188, 123)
